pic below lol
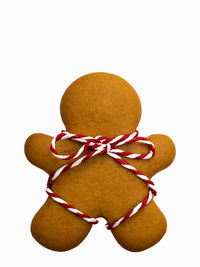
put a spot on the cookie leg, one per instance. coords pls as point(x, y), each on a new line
point(143, 230)
point(58, 229)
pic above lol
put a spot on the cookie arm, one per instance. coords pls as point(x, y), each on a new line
point(164, 154)
point(37, 151)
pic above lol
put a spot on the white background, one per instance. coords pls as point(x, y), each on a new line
point(44, 46)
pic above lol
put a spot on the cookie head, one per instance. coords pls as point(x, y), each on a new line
point(100, 104)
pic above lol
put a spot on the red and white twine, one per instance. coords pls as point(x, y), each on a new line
point(102, 145)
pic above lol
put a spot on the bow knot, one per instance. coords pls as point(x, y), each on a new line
point(100, 144)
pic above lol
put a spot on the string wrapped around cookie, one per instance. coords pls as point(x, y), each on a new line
point(102, 145)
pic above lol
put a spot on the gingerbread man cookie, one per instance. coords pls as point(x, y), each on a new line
point(99, 167)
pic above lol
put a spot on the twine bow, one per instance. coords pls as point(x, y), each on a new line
point(102, 145)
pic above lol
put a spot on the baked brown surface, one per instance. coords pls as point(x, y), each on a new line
point(99, 104)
